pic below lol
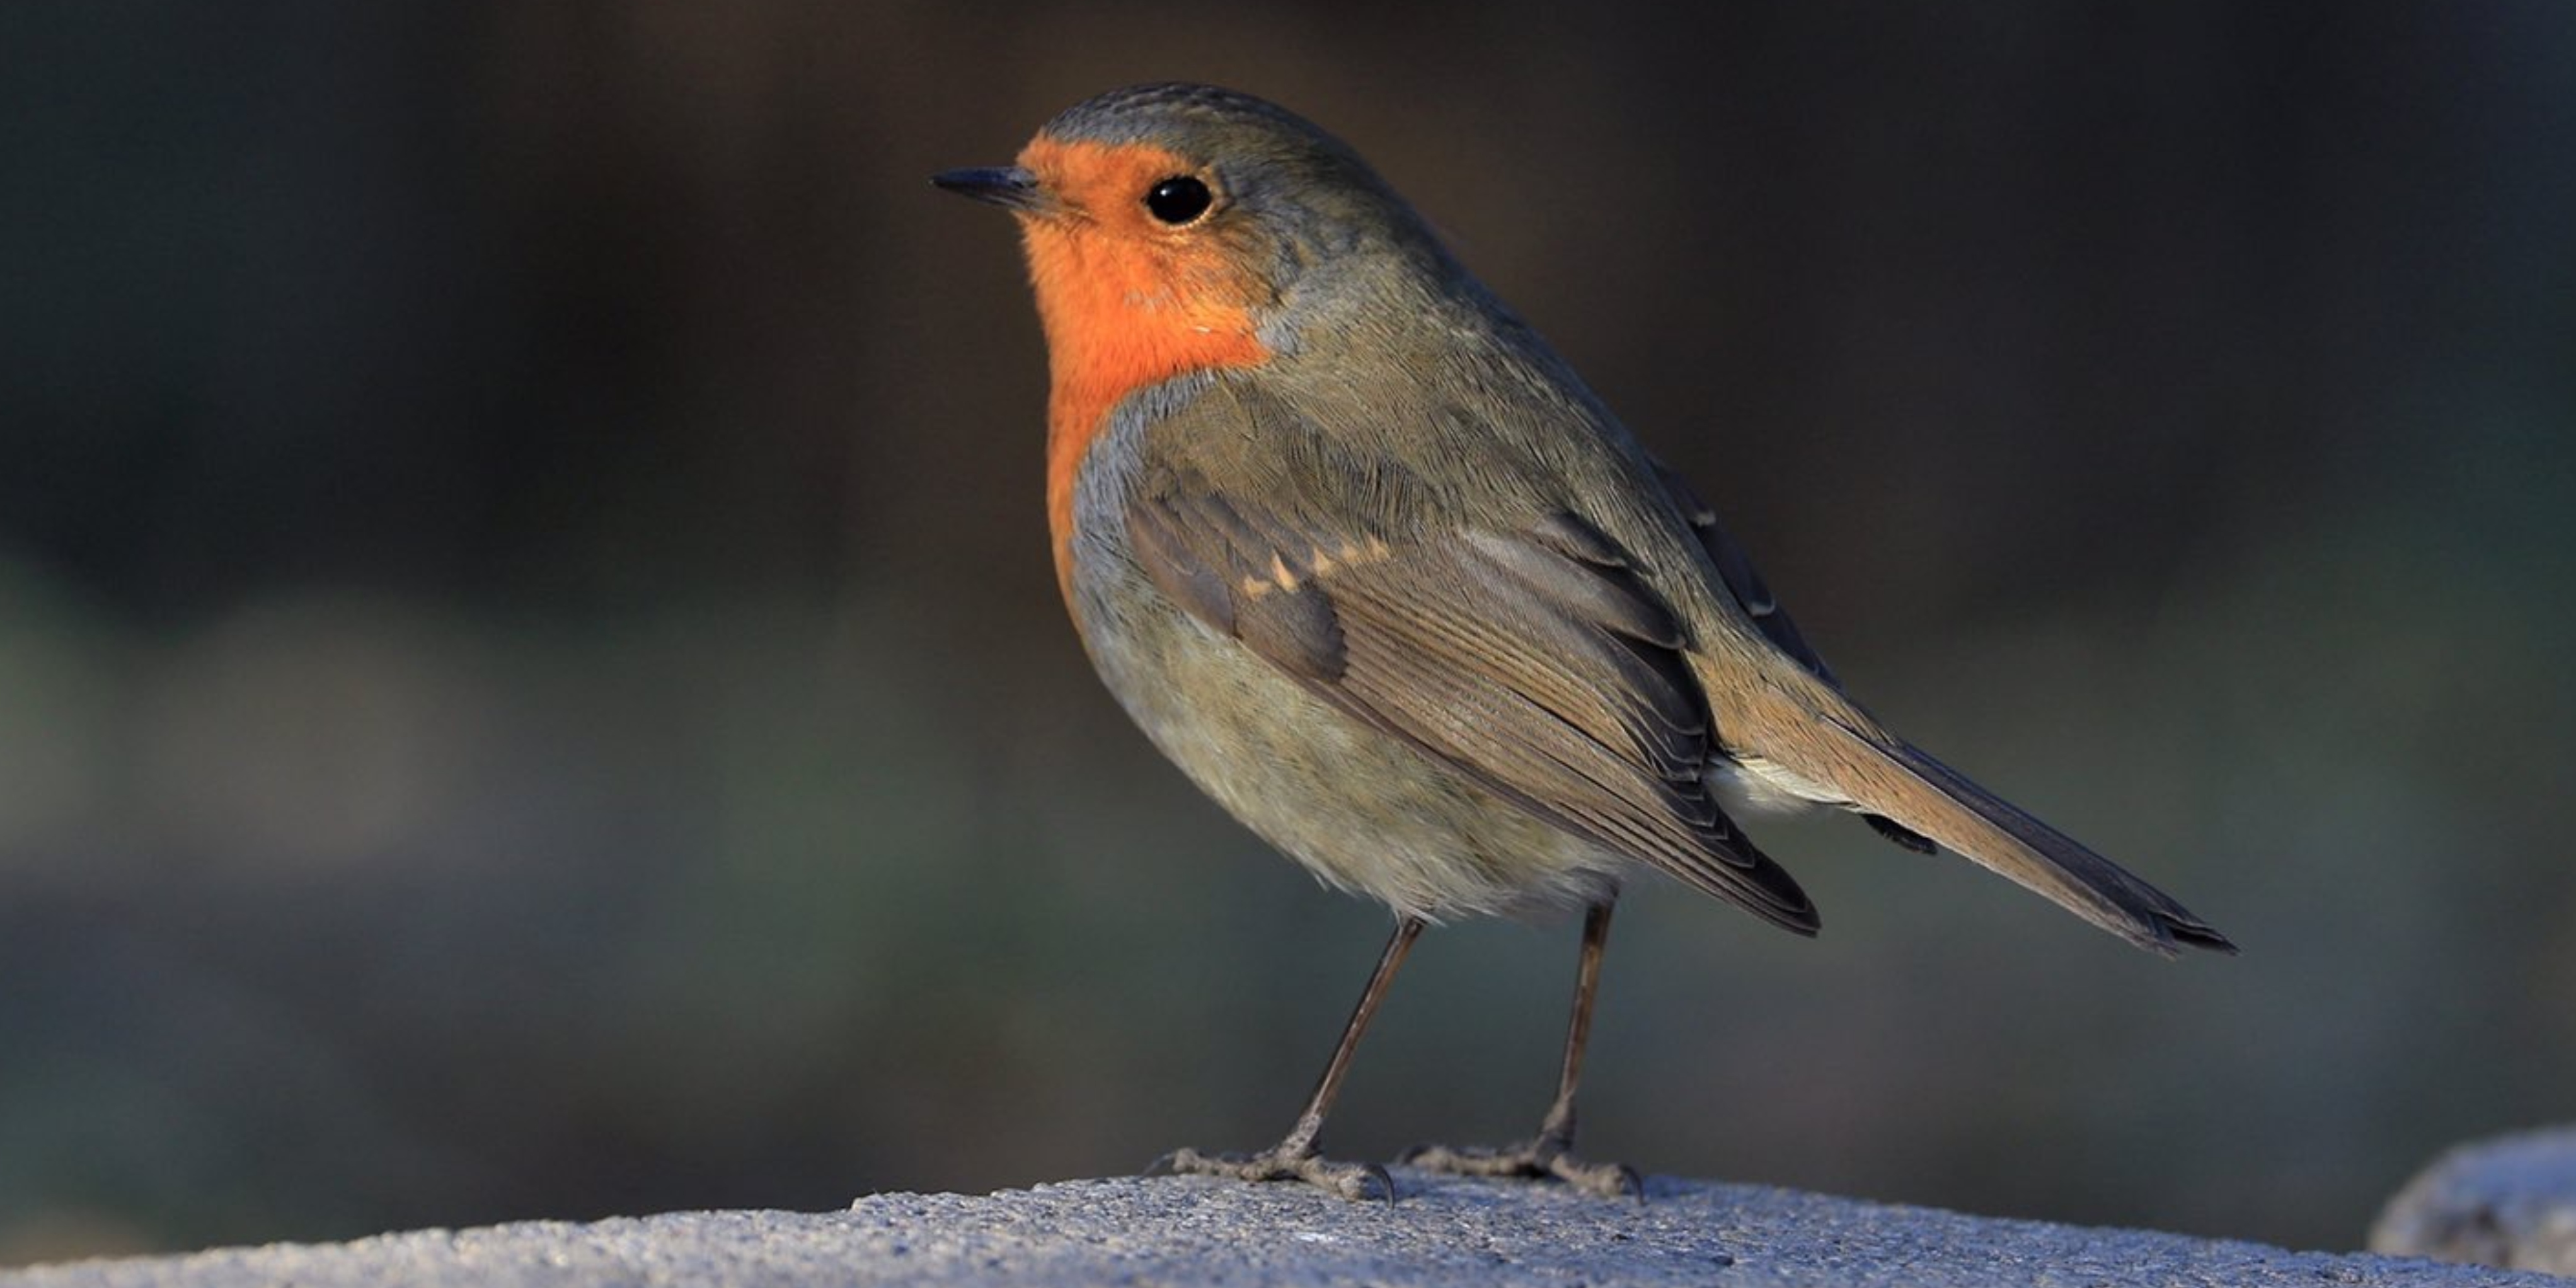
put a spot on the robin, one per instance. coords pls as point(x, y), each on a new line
point(1364, 557)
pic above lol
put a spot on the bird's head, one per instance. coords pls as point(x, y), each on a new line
point(1169, 226)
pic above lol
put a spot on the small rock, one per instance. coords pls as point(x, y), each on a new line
point(2508, 1202)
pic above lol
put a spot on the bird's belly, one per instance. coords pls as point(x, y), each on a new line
point(1360, 808)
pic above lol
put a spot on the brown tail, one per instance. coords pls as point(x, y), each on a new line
point(1939, 802)
point(1814, 730)
point(1789, 715)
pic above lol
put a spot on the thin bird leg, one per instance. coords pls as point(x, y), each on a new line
point(1309, 1130)
point(1295, 1158)
point(1558, 1129)
point(1552, 1152)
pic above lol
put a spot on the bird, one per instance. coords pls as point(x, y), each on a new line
point(1365, 558)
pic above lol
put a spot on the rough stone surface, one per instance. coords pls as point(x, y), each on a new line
point(1191, 1230)
point(2509, 1202)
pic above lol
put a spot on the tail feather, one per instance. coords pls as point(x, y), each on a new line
point(1884, 776)
point(1805, 724)
point(1998, 836)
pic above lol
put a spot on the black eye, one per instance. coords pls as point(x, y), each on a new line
point(1178, 200)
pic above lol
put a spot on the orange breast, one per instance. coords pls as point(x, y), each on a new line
point(1126, 305)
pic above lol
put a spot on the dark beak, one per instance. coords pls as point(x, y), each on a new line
point(1010, 187)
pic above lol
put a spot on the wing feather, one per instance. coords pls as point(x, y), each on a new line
point(1532, 661)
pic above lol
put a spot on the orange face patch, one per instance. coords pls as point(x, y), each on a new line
point(1126, 301)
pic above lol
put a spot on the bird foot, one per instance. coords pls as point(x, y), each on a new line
point(1356, 1181)
point(1531, 1160)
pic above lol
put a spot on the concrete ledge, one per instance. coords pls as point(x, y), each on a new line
point(1198, 1231)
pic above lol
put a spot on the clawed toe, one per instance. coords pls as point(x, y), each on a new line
point(1530, 1160)
point(1607, 1180)
point(1356, 1181)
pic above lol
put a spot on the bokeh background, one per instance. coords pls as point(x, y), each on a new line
point(531, 683)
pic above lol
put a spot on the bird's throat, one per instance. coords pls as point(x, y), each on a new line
point(1119, 318)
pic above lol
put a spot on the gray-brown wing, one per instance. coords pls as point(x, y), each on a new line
point(1754, 596)
point(1534, 661)
point(1742, 581)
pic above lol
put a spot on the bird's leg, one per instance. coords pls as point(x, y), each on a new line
point(1552, 1152)
point(1296, 1158)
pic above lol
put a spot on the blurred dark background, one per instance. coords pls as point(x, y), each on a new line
point(531, 683)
